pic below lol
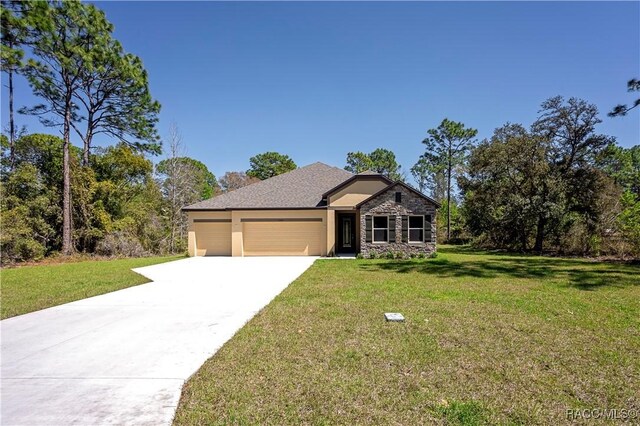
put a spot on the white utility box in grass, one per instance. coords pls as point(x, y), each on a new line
point(394, 317)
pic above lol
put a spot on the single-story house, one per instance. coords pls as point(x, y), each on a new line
point(317, 210)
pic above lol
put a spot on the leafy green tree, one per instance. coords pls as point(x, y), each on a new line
point(430, 177)
point(380, 161)
point(446, 148)
point(65, 36)
point(126, 204)
point(118, 207)
point(568, 127)
point(14, 33)
point(32, 197)
point(115, 98)
point(508, 187)
point(203, 183)
point(629, 219)
point(184, 181)
point(144, 216)
point(633, 85)
point(206, 181)
point(29, 215)
point(544, 185)
point(269, 164)
point(45, 153)
point(623, 165)
point(358, 162)
point(384, 162)
point(422, 174)
point(120, 174)
point(89, 222)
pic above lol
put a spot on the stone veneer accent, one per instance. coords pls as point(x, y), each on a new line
point(385, 204)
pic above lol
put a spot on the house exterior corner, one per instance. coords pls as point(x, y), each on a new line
point(399, 221)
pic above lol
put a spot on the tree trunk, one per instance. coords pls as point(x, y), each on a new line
point(540, 234)
point(173, 232)
point(12, 127)
point(449, 167)
point(67, 243)
point(87, 141)
point(523, 238)
point(85, 152)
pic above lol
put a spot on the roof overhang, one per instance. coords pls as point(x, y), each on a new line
point(228, 209)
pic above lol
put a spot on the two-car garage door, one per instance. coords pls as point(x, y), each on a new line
point(262, 237)
point(282, 237)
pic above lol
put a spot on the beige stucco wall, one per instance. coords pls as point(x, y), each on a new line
point(356, 192)
point(236, 217)
point(331, 231)
point(192, 242)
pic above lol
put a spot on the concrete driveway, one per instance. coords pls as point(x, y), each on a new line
point(122, 358)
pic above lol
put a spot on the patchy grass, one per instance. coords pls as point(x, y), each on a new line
point(30, 288)
point(488, 339)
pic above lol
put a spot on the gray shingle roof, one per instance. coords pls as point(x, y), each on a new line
point(300, 188)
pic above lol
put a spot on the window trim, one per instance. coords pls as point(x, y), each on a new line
point(374, 229)
point(409, 229)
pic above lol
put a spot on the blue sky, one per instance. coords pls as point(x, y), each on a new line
point(316, 80)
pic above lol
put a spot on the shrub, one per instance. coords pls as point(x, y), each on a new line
point(359, 256)
point(433, 255)
point(390, 255)
point(421, 255)
point(373, 255)
point(30, 249)
point(629, 220)
point(120, 243)
point(16, 241)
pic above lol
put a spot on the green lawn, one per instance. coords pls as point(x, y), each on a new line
point(30, 288)
point(489, 339)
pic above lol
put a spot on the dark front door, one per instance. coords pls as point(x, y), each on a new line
point(346, 233)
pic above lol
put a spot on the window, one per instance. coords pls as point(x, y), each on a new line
point(416, 229)
point(398, 197)
point(346, 231)
point(380, 229)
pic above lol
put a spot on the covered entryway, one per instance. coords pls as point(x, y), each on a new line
point(213, 237)
point(346, 227)
point(282, 237)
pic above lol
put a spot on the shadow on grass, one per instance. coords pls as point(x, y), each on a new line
point(578, 273)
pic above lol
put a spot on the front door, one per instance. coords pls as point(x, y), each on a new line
point(346, 233)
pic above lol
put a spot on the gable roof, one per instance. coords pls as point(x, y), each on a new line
point(404, 185)
point(298, 189)
point(367, 175)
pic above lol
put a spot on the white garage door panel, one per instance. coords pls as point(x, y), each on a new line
point(282, 238)
point(213, 238)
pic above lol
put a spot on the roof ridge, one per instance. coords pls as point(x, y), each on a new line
point(369, 172)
